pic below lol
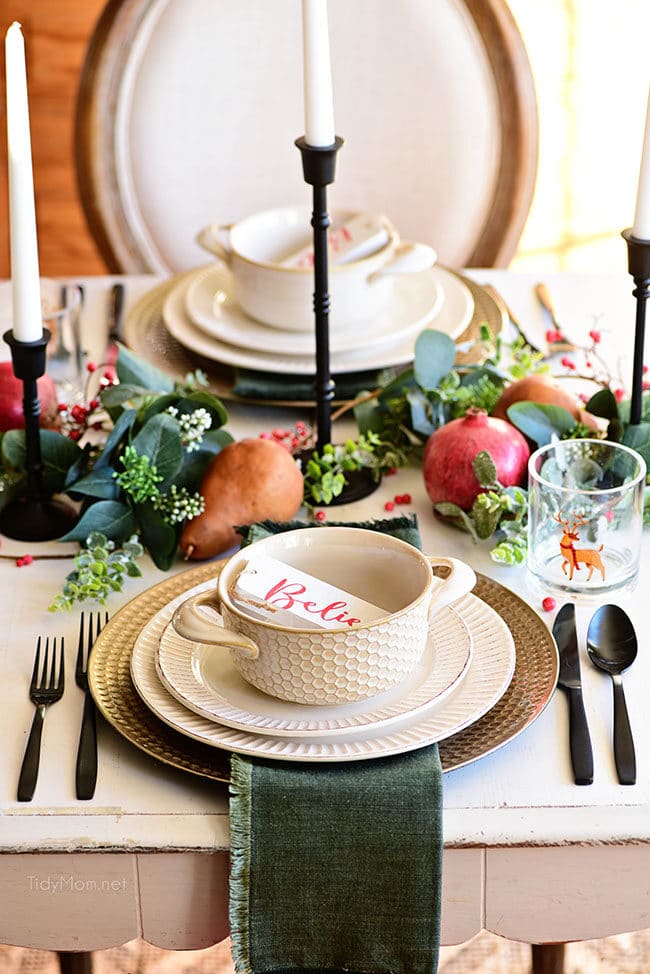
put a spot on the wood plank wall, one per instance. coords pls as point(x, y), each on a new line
point(56, 34)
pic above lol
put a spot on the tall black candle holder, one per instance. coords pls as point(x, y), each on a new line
point(32, 516)
point(319, 170)
point(638, 252)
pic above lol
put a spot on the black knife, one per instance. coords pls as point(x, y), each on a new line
point(115, 313)
point(564, 631)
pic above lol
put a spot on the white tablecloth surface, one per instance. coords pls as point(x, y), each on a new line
point(528, 853)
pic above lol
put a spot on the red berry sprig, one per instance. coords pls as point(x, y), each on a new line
point(554, 335)
point(397, 499)
point(291, 439)
point(78, 418)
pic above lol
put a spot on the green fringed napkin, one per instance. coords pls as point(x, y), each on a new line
point(336, 867)
point(252, 384)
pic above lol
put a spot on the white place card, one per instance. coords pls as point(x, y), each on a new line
point(270, 588)
point(357, 238)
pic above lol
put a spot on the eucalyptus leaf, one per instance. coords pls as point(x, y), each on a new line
point(100, 482)
point(477, 375)
point(420, 412)
point(435, 354)
point(79, 467)
point(624, 409)
point(112, 518)
point(539, 421)
point(133, 370)
point(58, 454)
point(13, 449)
point(603, 403)
point(485, 521)
point(117, 395)
point(484, 469)
point(122, 425)
point(397, 386)
point(158, 405)
point(447, 509)
point(615, 430)
point(159, 440)
point(456, 516)
point(369, 416)
point(158, 537)
point(638, 438)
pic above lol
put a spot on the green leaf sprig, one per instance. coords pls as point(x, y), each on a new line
point(497, 510)
point(409, 408)
point(145, 479)
point(99, 569)
point(324, 474)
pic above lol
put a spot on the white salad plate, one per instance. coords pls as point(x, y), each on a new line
point(211, 306)
point(489, 674)
point(204, 679)
point(454, 315)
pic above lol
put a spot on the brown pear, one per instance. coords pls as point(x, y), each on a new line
point(250, 480)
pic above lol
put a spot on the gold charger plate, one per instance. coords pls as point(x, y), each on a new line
point(109, 670)
point(148, 337)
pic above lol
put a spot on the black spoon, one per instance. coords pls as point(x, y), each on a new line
point(612, 647)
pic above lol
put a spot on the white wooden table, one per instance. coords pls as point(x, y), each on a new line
point(528, 854)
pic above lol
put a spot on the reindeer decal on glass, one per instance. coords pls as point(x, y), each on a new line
point(575, 558)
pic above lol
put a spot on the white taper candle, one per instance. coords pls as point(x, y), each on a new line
point(641, 226)
point(27, 318)
point(317, 74)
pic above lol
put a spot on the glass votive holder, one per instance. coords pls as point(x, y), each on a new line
point(585, 518)
point(65, 353)
point(61, 305)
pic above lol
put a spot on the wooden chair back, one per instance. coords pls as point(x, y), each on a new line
point(188, 109)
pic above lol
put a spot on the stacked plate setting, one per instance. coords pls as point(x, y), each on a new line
point(201, 314)
point(195, 689)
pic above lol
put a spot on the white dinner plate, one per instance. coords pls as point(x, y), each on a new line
point(205, 680)
point(416, 302)
point(454, 316)
point(488, 677)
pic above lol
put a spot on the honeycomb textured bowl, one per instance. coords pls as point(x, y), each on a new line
point(339, 666)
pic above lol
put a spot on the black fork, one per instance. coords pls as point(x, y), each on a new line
point(86, 773)
point(46, 688)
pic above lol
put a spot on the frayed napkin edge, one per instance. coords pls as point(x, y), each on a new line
point(240, 862)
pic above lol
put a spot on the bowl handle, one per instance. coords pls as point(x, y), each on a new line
point(215, 239)
point(460, 580)
point(192, 624)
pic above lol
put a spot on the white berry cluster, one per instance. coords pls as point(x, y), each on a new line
point(179, 505)
point(193, 425)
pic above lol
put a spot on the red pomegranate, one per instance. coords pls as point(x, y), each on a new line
point(451, 450)
point(11, 400)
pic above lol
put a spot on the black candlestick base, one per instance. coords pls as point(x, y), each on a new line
point(638, 252)
point(27, 519)
point(33, 516)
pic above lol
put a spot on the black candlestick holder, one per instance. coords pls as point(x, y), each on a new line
point(638, 252)
point(319, 170)
point(32, 516)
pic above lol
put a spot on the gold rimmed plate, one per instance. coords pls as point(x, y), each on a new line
point(145, 332)
point(531, 687)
